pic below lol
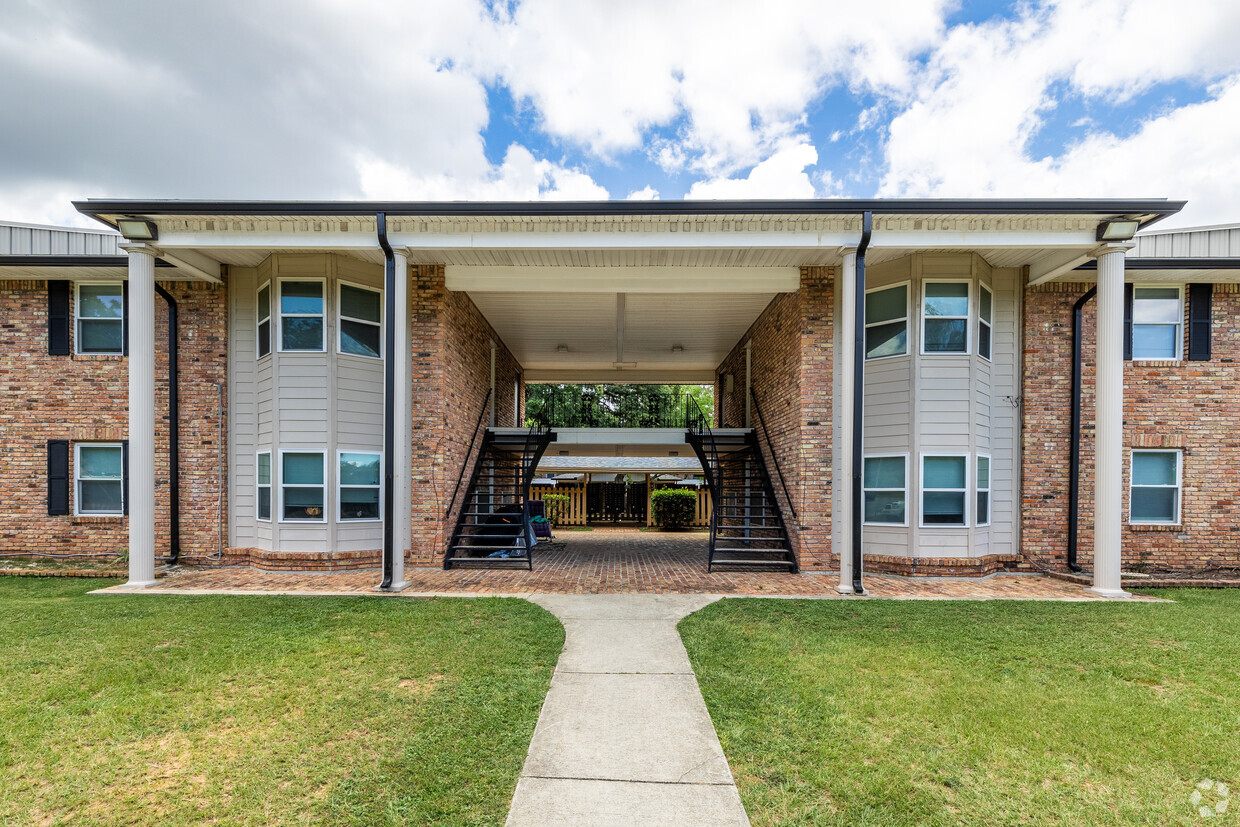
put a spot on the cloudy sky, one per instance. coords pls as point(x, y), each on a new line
point(327, 99)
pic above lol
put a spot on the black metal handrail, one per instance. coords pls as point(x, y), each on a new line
point(698, 424)
point(468, 452)
point(770, 446)
point(605, 412)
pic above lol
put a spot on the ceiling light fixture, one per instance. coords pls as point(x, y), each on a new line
point(561, 348)
point(678, 349)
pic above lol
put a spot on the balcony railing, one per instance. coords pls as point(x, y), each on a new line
point(609, 412)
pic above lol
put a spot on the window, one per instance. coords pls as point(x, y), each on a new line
point(943, 489)
point(983, 491)
point(985, 312)
point(361, 319)
point(263, 509)
point(885, 490)
point(886, 322)
point(1157, 316)
point(1155, 490)
point(359, 481)
point(99, 475)
point(301, 486)
point(301, 315)
point(264, 321)
point(945, 317)
point(100, 318)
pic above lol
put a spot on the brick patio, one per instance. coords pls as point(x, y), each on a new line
point(612, 561)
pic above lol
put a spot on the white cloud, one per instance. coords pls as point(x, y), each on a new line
point(782, 175)
point(646, 193)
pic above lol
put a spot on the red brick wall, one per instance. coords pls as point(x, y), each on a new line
point(1189, 405)
point(85, 398)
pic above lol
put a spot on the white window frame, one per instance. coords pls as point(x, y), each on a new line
point(978, 490)
point(990, 324)
point(968, 319)
point(341, 319)
point(77, 479)
point(921, 487)
point(258, 486)
point(281, 315)
point(1179, 326)
point(908, 292)
point(272, 299)
point(1179, 484)
point(77, 318)
point(339, 485)
point(325, 485)
point(864, 489)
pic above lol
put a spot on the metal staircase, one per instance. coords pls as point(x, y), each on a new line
point(747, 526)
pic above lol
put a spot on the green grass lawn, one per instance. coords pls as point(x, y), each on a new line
point(264, 710)
point(893, 713)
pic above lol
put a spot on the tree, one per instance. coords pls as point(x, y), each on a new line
point(616, 406)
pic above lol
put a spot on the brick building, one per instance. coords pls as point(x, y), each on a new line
point(341, 367)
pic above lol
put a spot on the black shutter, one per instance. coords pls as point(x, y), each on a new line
point(125, 319)
point(57, 477)
point(1128, 322)
point(1199, 296)
point(125, 477)
point(59, 295)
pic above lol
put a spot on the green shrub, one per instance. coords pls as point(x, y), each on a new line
point(674, 507)
point(557, 507)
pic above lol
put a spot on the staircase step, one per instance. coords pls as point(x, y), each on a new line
point(728, 561)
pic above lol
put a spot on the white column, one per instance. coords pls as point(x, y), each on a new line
point(1109, 427)
point(141, 415)
point(842, 423)
point(402, 482)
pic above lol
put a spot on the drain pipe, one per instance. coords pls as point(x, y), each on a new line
point(389, 399)
point(174, 434)
point(858, 411)
point(1074, 457)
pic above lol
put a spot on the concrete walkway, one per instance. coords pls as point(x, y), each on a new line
point(624, 736)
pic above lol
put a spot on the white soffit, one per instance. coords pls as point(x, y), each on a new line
point(763, 280)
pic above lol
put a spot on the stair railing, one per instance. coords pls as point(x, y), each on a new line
point(770, 446)
point(468, 452)
point(698, 424)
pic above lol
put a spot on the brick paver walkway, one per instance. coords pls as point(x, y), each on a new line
point(621, 562)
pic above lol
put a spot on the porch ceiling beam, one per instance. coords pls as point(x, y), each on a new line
point(507, 279)
point(634, 376)
point(194, 263)
point(1054, 266)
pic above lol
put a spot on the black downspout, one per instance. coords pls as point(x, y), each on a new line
point(174, 434)
point(1074, 458)
point(858, 411)
point(389, 399)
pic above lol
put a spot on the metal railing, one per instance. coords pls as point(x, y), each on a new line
point(612, 412)
point(468, 453)
point(698, 424)
point(770, 446)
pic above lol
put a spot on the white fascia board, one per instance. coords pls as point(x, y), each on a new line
point(623, 279)
point(981, 240)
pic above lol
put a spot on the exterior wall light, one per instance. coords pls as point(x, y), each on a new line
point(1121, 229)
point(136, 229)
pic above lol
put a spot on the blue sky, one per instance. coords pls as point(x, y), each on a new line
point(555, 99)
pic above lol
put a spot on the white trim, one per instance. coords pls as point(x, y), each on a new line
point(341, 318)
point(283, 485)
point(904, 456)
point(77, 318)
point(968, 317)
point(1179, 325)
point(77, 478)
point(990, 323)
point(280, 314)
point(921, 488)
point(908, 291)
point(977, 488)
point(258, 322)
point(374, 452)
point(1179, 484)
point(271, 481)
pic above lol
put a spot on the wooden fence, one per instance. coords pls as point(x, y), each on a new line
point(578, 512)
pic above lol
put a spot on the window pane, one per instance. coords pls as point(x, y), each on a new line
point(359, 338)
point(359, 503)
point(100, 497)
point(302, 333)
point(100, 336)
point(359, 469)
point(943, 508)
point(100, 461)
point(264, 301)
point(984, 310)
point(884, 506)
point(303, 469)
point(983, 340)
point(264, 338)
point(886, 340)
point(951, 299)
point(884, 472)
point(301, 297)
point(943, 472)
point(882, 305)
point(1153, 505)
point(983, 507)
point(1153, 468)
point(264, 503)
point(303, 503)
point(264, 469)
point(1156, 305)
point(945, 335)
point(983, 472)
point(359, 304)
point(1154, 341)
point(100, 301)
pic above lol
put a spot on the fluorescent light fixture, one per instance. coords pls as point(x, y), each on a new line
point(137, 229)
point(621, 365)
point(1121, 229)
